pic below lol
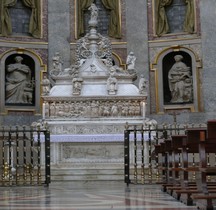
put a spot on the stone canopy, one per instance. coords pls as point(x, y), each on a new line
point(93, 86)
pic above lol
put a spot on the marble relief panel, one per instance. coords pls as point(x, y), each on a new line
point(91, 152)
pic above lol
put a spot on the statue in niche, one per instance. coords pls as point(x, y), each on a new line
point(94, 12)
point(45, 86)
point(112, 85)
point(142, 84)
point(131, 58)
point(185, 22)
point(28, 90)
point(19, 86)
point(180, 81)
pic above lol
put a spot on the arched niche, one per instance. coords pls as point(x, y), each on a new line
point(117, 60)
point(164, 62)
point(20, 89)
point(19, 80)
point(172, 81)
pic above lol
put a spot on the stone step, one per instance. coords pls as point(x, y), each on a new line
point(86, 174)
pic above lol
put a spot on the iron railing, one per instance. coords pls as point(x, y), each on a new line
point(21, 161)
point(140, 162)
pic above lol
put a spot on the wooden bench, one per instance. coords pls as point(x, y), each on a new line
point(207, 143)
point(191, 143)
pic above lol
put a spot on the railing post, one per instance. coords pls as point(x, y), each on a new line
point(38, 155)
point(142, 156)
point(47, 157)
point(135, 155)
point(127, 155)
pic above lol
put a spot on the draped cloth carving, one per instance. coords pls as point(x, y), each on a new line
point(81, 6)
point(162, 25)
point(190, 17)
point(114, 22)
point(5, 25)
point(35, 20)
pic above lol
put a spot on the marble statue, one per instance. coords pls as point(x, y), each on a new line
point(142, 84)
point(131, 61)
point(28, 92)
point(19, 87)
point(112, 85)
point(45, 83)
point(180, 81)
point(94, 12)
point(57, 62)
point(77, 86)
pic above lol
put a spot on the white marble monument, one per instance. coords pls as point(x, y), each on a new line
point(87, 108)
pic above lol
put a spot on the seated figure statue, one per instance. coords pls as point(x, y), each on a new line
point(18, 83)
point(180, 79)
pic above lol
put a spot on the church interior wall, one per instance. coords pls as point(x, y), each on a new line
point(208, 31)
point(137, 20)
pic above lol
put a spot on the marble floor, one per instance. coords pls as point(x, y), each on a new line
point(88, 196)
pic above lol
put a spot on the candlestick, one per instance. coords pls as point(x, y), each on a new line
point(43, 111)
point(143, 109)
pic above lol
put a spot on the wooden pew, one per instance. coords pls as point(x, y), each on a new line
point(176, 142)
point(188, 144)
point(160, 152)
point(165, 149)
point(202, 141)
point(207, 143)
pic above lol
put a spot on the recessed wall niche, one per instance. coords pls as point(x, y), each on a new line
point(19, 80)
point(177, 80)
point(20, 71)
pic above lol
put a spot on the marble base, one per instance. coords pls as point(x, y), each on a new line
point(86, 160)
point(83, 150)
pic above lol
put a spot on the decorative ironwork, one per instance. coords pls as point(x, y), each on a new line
point(20, 156)
point(140, 159)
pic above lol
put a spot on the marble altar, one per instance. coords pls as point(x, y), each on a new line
point(87, 107)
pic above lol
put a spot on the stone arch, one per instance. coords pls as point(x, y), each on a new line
point(118, 61)
point(162, 64)
point(34, 64)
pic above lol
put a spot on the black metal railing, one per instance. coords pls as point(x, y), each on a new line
point(22, 160)
point(140, 162)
